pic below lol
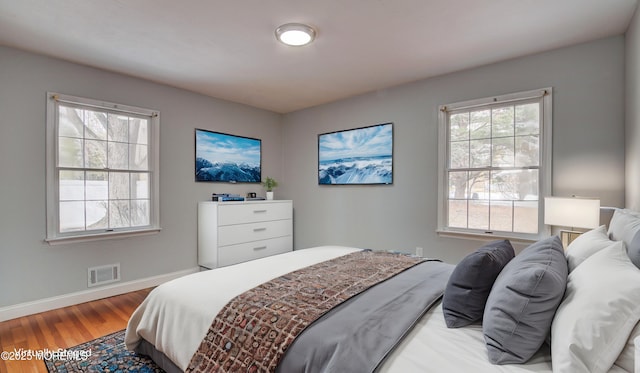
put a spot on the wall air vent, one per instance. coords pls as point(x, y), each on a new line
point(104, 274)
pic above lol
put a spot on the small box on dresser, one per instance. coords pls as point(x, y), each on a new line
point(234, 232)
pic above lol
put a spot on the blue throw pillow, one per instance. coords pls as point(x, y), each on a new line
point(470, 283)
point(523, 301)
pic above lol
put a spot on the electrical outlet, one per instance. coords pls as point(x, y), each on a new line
point(419, 251)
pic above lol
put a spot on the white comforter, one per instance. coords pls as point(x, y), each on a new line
point(175, 317)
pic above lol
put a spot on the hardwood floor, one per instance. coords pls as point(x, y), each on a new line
point(64, 328)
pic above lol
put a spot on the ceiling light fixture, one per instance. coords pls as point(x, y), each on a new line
point(295, 34)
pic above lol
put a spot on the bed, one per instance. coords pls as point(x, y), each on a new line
point(591, 321)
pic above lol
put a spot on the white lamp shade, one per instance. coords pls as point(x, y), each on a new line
point(572, 212)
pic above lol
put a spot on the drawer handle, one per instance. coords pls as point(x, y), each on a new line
point(260, 248)
point(259, 229)
point(259, 211)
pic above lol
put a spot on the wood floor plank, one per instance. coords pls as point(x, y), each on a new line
point(64, 328)
point(42, 331)
point(85, 320)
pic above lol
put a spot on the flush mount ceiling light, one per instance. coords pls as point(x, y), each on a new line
point(295, 34)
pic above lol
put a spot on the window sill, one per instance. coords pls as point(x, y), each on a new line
point(100, 236)
point(477, 236)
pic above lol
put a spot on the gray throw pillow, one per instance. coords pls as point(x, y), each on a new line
point(470, 283)
point(523, 301)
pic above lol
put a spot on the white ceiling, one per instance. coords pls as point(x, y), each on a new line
point(227, 48)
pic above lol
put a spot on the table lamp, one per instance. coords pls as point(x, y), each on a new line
point(574, 212)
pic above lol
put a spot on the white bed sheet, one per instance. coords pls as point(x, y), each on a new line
point(176, 316)
point(432, 347)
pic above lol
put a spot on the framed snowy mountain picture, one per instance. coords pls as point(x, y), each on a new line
point(356, 156)
point(227, 158)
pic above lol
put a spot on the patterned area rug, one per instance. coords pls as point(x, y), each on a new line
point(105, 354)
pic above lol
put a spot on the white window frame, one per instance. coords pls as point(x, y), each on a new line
point(54, 236)
point(545, 171)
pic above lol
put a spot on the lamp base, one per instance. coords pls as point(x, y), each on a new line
point(568, 236)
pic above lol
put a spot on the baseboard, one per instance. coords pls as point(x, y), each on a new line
point(47, 304)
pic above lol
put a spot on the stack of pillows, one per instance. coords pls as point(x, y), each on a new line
point(586, 300)
point(514, 296)
point(597, 321)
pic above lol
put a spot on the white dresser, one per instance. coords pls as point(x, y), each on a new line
point(234, 232)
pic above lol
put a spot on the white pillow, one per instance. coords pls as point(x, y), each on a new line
point(636, 341)
point(586, 245)
point(626, 358)
point(600, 308)
point(624, 225)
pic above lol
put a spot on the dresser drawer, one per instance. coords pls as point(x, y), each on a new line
point(253, 212)
point(239, 233)
point(233, 254)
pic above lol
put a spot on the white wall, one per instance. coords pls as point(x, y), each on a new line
point(632, 95)
point(588, 120)
point(31, 269)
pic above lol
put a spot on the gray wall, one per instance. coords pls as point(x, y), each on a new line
point(632, 96)
point(588, 160)
point(588, 120)
point(31, 269)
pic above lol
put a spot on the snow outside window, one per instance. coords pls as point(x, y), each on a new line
point(495, 165)
point(102, 169)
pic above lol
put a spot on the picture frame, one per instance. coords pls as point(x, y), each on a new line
point(222, 157)
point(359, 156)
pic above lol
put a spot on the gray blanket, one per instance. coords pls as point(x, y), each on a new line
point(359, 334)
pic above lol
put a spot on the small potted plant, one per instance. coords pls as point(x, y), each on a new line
point(269, 183)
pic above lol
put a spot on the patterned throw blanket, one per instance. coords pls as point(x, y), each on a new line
point(253, 331)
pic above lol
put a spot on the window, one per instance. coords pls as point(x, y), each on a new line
point(495, 164)
point(102, 169)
